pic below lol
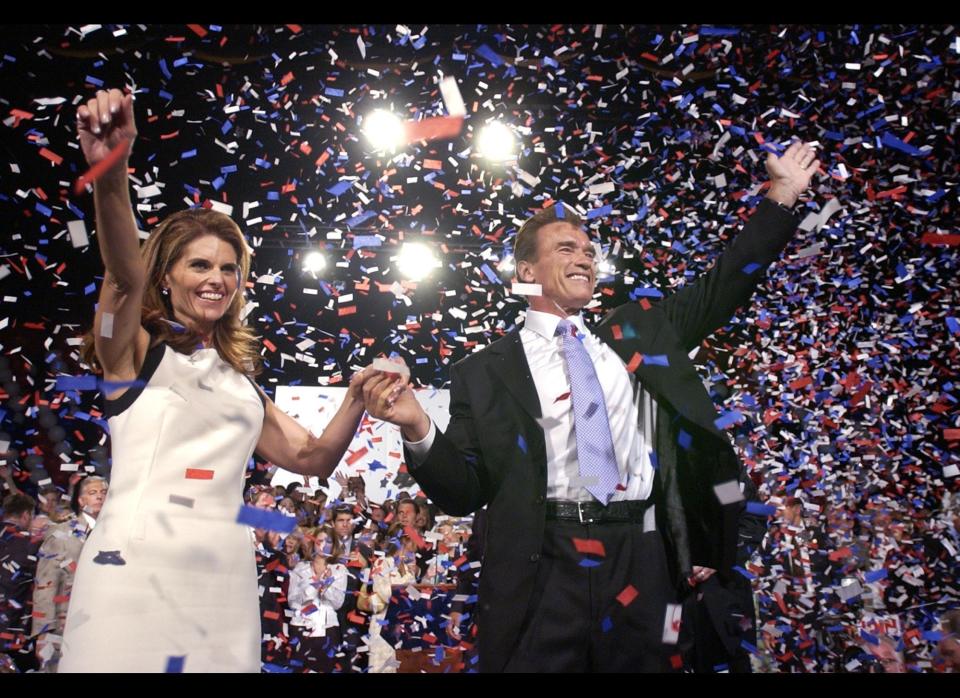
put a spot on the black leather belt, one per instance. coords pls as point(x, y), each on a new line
point(630, 511)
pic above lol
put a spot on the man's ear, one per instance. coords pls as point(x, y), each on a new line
point(525, 272)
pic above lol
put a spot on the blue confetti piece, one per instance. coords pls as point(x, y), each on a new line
point(88, 382)
point(488, 53)
point(360, 218)
point(718, 31)
point(598, 212)
point(749, 648)
point(761, 509)
point(654, 461)
point(366, 241)
point(87, 290)
point(266, 519)
point(558, 212)
point(684, 439)
point(872, 639)
point(655, 360)
point(109, 557)
point(340, 187)
point(110, 386)
point(377, 465)
point(333, 92)
point(727, 419)
point(932, 635)
point(489, 273)
point(744, 572)
point(606, 625)
point(188, 154)
point(875, 575)
point(646, 292)
point(276, 669)
point(752, 267)
point(175, 665)
point(586, 562)
point(953, 324)
point(892, 141)
point(521, 442)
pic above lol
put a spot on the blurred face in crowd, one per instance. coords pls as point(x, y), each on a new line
point(321, 543)
point(286, 505)
point(376, 513)
point(949, 648)
point(407, 513)
point(343, 525)
point(264, 500)
point(92, 494)
point(291, 544)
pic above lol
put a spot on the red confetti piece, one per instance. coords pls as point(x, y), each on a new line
point(197, 29)
point(51, 156)
point(800, 383)
point(561, 397)
point(935, 239)
point(635, 361)
point(97, 171)
point(269, 345)
point(356, 455)
point(432, 164)
point(951, 434)
point(617, 332)
point(627, 596)
point(434, 128)
point(589, 546)
point(349, 310)
point(645, 304)
point(271, 615)
point(676, 661)
point(199, 474)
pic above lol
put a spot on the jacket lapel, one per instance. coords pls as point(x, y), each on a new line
point(509, 361)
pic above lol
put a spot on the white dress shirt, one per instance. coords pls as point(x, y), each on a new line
point(319, 600)
point(544, 352)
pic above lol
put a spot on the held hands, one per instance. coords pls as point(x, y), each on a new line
point(790, 174)
point(388, 396)
point(103, 122)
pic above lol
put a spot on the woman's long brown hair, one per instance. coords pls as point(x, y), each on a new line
point(236, 343)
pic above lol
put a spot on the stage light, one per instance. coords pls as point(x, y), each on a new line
point(384, 130)
point(416, 261)
point(496, 143)
point(314, 262)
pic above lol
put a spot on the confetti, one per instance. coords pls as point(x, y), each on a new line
point(266, 519)
point(109, 557)
point(94, 173)
point(198, 474)
point(728, 492)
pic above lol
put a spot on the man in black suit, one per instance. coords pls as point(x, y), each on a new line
point(18, 567)
point(593, 450)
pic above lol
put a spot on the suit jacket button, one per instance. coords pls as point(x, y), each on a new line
point(535, 557)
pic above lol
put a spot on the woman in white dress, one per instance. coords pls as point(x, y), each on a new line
point(317, 589)
point(166, 581)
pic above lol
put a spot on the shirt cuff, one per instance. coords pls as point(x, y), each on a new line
point(420, 449)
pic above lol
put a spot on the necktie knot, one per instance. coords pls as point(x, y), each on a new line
point(565, 328)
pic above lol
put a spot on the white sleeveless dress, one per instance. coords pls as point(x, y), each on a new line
point(186, 596)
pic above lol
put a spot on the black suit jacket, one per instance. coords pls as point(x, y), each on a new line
point(493, 449)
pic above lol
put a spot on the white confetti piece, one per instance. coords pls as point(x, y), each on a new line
point(519, 289)
point(106, 325)
point(78, 233)
point(362, 46)
point(388, 366)
point(951, 471)
point(728, 492)
point(671, 624)
point(4, 271)
point(182, 501)
point(452, 99)
point(602, 188)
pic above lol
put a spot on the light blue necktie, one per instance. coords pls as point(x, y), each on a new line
point(598, 461)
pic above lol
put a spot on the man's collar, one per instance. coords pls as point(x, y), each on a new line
point(545, 324)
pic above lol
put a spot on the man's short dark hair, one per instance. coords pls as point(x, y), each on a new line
point(951, 622)
point(525, 242)
point(16, 504)
point(342, 509)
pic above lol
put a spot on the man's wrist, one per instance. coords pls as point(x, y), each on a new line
point(783, 197)
point(417, 431)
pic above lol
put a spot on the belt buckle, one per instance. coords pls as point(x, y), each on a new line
point(580, 514)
